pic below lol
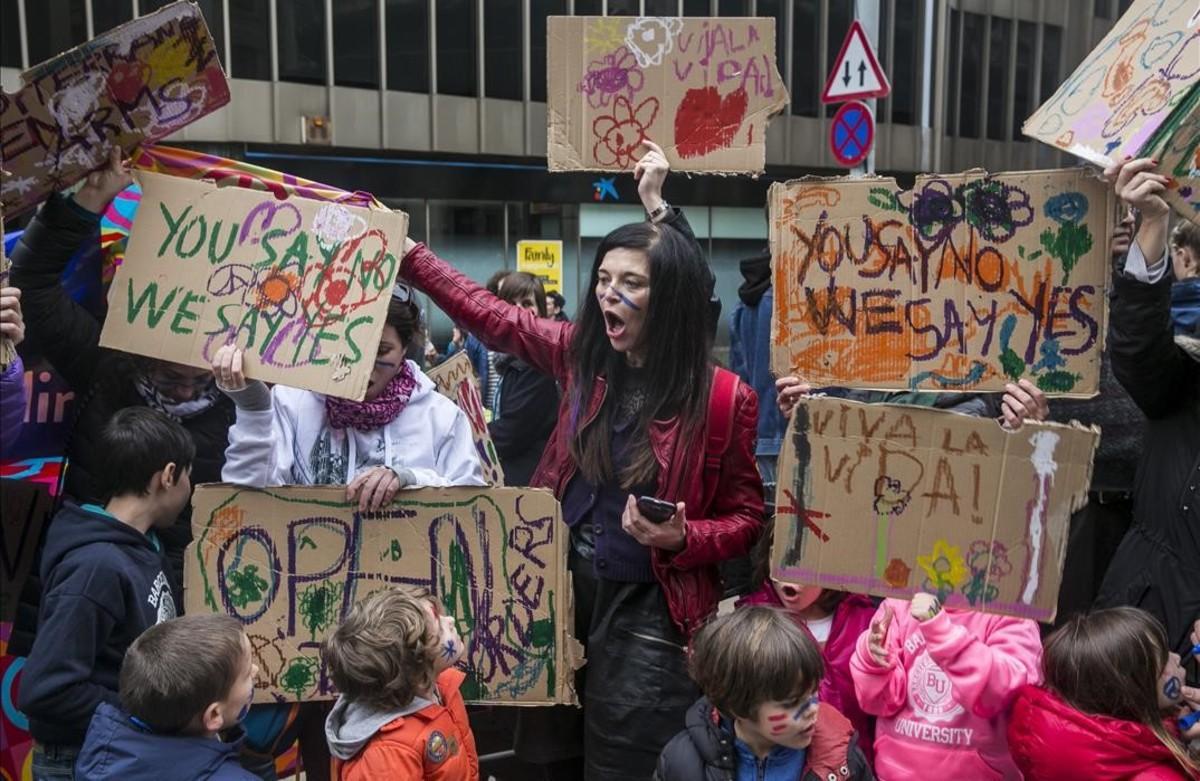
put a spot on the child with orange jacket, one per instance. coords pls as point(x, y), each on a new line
point(400, 714)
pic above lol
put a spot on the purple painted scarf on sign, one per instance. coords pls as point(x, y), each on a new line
point(377, 413)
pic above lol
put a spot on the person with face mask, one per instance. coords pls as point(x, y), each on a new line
point(103, 380)
point(1156, 564)
point(645, 415)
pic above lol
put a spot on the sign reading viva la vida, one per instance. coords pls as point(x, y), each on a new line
point(544, 260)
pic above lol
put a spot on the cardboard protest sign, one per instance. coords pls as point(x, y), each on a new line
point(455, 379)
point(1137, 94)
point(303, 286)
point(703, 89)
point(132, 85)
point(290, 563)
point(543, 259)
point(892, 500)
point(965, 282)
point(25, 508)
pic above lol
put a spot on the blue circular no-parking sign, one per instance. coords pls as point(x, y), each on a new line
point(852, 133)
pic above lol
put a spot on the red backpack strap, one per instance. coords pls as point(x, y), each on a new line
point(722, 399)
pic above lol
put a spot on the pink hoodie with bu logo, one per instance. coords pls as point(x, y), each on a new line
point(943, 699)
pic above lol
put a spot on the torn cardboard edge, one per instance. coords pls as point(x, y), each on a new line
point(1070, 486)
point(234, 207)
point(211, 533)
point(778, 190)
point(567, 99)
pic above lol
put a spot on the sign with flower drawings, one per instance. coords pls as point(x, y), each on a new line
point(132, 85)
point(966, 282)
point(1137, 94)
point(301, 285)
point(892, 500)
point(703, 89)
point(290, 562)
point(455, 379)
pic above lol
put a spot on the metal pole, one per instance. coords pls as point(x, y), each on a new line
point(867, 13)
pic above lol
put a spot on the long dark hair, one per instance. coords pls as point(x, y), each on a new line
point(676, 344)
point(1108, 663)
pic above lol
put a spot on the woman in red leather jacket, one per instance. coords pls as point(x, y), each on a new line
point(637, 377)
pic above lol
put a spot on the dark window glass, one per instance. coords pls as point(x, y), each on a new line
point(662, 8)
point(10, 34)
point(623, 8)
point(588, 7)
point(302, 42)
point(1051, 57)
point(972, 76)
point(1101, 8)
point(249, 21)
point(774, 9)
point(733, 8)
point(107, 14)
point(503, 74)
point(840, 16)
point(695, 8)
point(807, 75)
point(906, 69)
point(356, 43)
point(538, 11)
point(952, 68)
point(53, 27)
point(1023, 89)
point(456, 49)
point(1123, 6)
point(998, 58)
point(407, 24)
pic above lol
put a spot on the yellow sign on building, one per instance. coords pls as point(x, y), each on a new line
point(543, 259)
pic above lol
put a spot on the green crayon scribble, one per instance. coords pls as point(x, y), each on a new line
point(456, 599)
point(1012, 364)
point(1057, 381)
point(307, 542)
point(245, 585)
point(300, 676)
point(883, 198)
point(318, 606)
point(1068, 245)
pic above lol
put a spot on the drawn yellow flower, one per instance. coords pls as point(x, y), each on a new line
point(945, 567)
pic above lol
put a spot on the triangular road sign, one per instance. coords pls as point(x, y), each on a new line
point(856, 74)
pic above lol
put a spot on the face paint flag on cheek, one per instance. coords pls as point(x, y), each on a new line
point(624, 299)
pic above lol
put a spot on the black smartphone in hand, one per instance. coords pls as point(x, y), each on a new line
point(655, 510)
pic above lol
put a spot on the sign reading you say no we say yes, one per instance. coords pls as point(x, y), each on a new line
point(302, 286)
point(966, 282)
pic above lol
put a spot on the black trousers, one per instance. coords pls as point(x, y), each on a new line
point(1095, 533)
point(634, 688)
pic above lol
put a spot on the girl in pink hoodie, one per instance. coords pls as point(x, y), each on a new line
point(942, 682)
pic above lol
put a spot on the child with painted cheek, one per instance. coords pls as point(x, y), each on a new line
point(941, 682)
point(1111, 702)
point(833, 619)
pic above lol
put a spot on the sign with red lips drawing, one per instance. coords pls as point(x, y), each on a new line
point(702, 88)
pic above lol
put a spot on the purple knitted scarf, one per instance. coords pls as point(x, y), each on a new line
point(377, 413)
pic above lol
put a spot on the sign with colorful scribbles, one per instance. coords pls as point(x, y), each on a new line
point(132, 85)
point(290, 562)
point(965, 282)
point(302, 285)
point(893, 500)
point(455, 379)
point(1137, 94)
point(703, 89)
point(25, 507)
point(8, 353)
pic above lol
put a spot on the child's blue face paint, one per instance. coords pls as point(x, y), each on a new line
point(449, 650)
point(1173, 689)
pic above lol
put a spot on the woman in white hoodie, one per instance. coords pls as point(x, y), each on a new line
point(404, 434)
